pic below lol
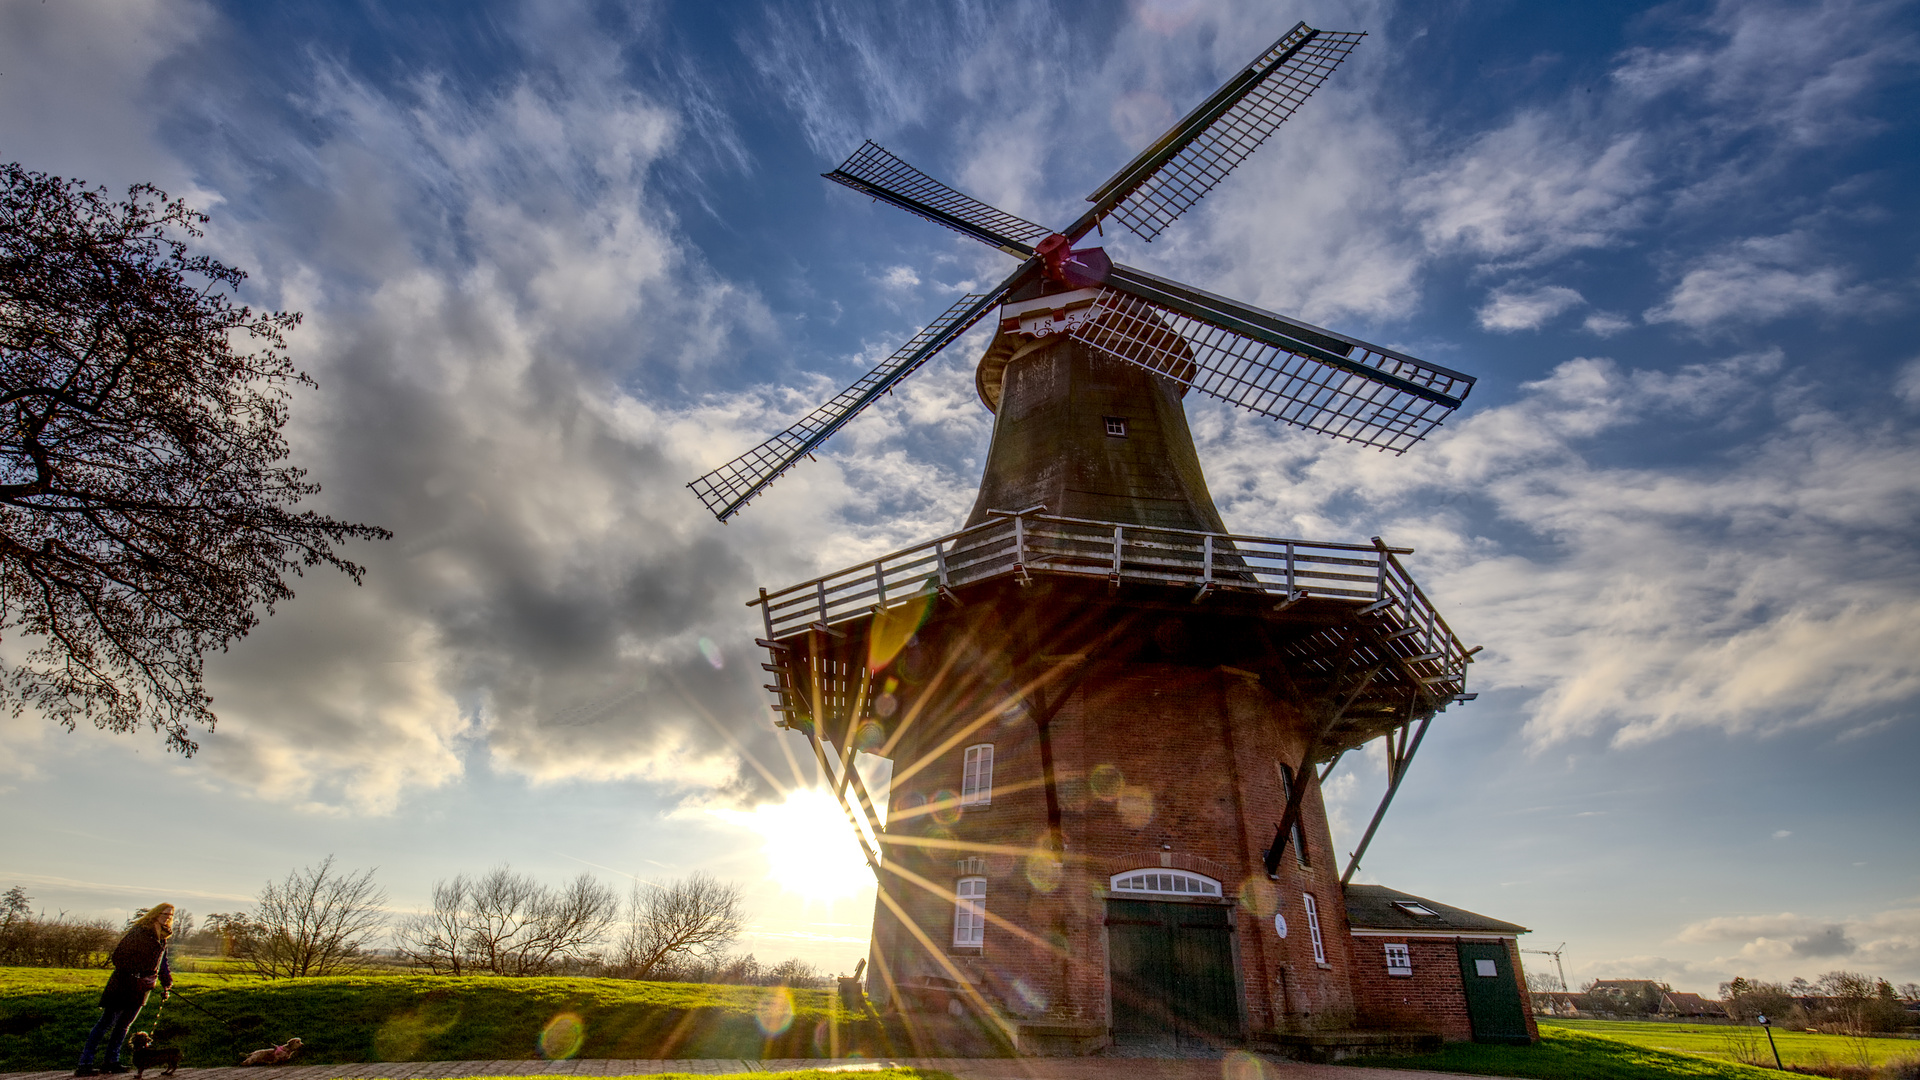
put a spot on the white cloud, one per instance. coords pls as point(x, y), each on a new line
point(1761, 280)
point(1782, 834)
point(1534, 189)
point(1774, 586)
point(1514, 307)
point(1906, 382)
point(1795, 69)
point(1606, 324)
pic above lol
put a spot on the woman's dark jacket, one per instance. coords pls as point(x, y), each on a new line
point(140, 954)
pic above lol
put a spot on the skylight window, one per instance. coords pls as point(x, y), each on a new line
point(1413, 908)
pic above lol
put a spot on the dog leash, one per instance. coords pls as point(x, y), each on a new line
point(184, 996)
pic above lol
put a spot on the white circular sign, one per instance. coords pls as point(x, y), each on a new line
point(1280, 924)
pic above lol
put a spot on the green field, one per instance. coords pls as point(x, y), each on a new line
point(1750, 1043)
point(45, 1014)
point(1563, 1054)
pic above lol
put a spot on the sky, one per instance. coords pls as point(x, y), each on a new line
point(558, 258)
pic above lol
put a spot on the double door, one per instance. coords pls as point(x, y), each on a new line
point(1171, 971)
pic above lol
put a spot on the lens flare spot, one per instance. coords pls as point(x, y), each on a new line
point(562, 1037)
point(945, 806)
point(1240, 1065)
point(1135, 804)
point(712, 652)
point(893, 628)
point(774, 1014)
point(886, 705)
point(1044, 871)
point(1105, 781)
point(1034, 999)
point(1260, 896)
point(870, 737)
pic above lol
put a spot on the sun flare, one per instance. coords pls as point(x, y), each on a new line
point(809, 845)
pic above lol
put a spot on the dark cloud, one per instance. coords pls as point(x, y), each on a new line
point(1830, 941)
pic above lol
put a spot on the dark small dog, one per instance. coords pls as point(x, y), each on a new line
point(147, 1056)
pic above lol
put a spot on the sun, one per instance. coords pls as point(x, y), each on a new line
point(809, 845)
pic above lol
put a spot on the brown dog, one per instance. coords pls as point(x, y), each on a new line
point(272, 1055)
point(147, 1056)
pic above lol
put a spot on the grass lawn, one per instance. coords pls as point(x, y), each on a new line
point(898, 1073)
point(45, 1015)
point(1733, 1043)
point(1562, 1054)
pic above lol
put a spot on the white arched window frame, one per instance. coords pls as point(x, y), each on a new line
point(970, 912)
point(1158, 881)
point(976, 776)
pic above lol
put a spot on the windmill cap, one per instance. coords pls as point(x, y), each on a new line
point(1033, 324)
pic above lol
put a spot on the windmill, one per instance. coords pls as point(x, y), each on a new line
point(1108, 717)
point(1269, 364)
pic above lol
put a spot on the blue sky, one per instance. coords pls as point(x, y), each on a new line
point(559, 258)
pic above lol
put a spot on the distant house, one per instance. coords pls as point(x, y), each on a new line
point(1677, 1004)
point(1556, 1003)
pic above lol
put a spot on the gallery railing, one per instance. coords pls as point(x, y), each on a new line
point(1029, 543)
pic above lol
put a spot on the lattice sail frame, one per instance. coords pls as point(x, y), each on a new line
point(873, 171)
point(731, 486)
point(1288, 385)
point(1281, 81)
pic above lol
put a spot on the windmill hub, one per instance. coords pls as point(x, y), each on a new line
point(1107, 718)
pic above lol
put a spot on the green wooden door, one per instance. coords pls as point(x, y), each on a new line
point(1493, 996)
point(1170, 969)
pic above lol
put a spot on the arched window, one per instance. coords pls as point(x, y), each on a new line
point(970, 912)
point(1161, 882)
point(976, 776)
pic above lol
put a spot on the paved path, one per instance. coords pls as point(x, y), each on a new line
point(1234, 1066)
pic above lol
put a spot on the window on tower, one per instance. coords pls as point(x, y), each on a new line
point(970, 912)
point(1299, 838)
point(976, 776)
point(1313, 928)
point(1117, 426)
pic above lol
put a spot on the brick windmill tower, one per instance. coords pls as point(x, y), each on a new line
point(1107, 717)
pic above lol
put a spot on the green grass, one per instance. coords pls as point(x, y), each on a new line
point(896, 1073)
point(45, 1015)
point(1728, 1043)
point(1574, 1055)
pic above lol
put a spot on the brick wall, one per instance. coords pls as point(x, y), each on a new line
point(1156, 763)
point(1430, 999)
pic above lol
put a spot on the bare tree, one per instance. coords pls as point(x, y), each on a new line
point(436, 939)
point(145, 507)
point(697, 917)
point(316, 922)
point(509, 924)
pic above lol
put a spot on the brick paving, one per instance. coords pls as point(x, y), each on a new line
point(1235, 1066)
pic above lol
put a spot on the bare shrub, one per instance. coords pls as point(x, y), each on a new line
point(29, 940)
point(315, 922)
point(673, 926)
point(509, 924)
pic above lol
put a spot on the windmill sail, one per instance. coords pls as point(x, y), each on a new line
point(1278, 367)
point(1178, 170)
point(873, 171)
point(726, 489)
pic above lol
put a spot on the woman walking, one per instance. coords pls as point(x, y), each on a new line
point(139, 962)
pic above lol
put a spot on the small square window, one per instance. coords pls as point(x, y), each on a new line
point(1117, 426)
point(1486, 969)
point(1399, 960)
